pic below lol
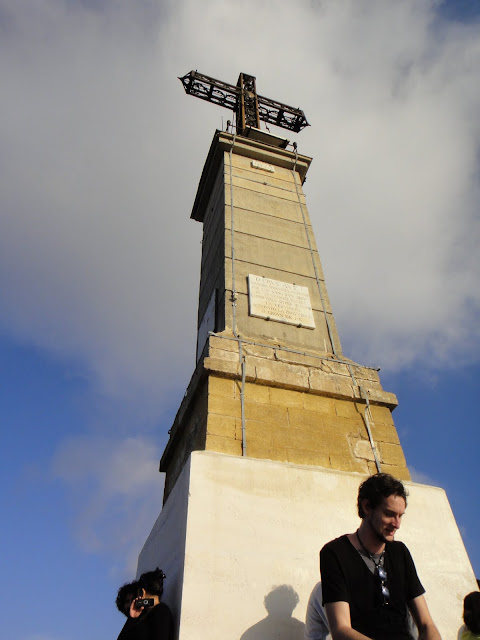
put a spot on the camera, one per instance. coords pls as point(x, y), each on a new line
point(143, 602)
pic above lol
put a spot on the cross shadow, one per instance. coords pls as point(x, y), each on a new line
point(279, 623)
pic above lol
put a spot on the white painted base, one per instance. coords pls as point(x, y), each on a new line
point(235, 528)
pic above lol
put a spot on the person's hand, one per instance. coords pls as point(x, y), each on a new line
point(134, 613)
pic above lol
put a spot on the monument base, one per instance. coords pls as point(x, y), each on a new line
point(239, 538)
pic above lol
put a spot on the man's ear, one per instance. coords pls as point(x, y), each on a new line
point(144, 593)
point(365, 506)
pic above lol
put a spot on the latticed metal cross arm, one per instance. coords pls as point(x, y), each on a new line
point(206, 88)
point(244, 100)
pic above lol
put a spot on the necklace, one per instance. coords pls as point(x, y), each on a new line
point(381, 573)
point(378, 563)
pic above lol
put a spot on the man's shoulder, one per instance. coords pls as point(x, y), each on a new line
point(397, 547)
point(336, 543)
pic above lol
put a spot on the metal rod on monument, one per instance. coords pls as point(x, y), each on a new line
point(243, 99)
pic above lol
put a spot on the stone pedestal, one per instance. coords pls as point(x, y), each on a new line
point(237, 535)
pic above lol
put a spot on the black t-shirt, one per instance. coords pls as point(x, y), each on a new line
point(346, 578)
point(153, 624)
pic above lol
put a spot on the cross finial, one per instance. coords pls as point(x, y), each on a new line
point(243, 99)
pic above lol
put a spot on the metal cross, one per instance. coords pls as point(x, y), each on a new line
point(243, 99)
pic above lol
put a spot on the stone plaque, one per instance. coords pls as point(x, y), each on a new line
point(257, 164)
point(279, 301)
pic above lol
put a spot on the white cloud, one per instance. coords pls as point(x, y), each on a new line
point(118, 492)
point(421, 477)
point(103, 150)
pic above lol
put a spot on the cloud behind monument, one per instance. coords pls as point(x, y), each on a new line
point(102, 152)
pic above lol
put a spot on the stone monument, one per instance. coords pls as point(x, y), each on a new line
point(277, 427)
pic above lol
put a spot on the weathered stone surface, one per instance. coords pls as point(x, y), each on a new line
point(224, 406)
point(285, 397)
point(281, 374)
point(258, 433)
point(273, 413)
point(221, 354)
point(257, 392)
point(346, 462)
point(225, 367)
point(321, 404)
point(221, 386)
point(392, 454)
point(362, 449)
point(385, 433)
point(348, 409)
point(221, 426)
point(259, 450)
point(221, 444)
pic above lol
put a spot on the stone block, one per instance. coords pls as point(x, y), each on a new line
point(222, 354)
point(261, 412)
point(221, 426)
point(261, 176)
point(263, 226)
point(256, 392)
point(224, 406)
point(224, 344)
point(311, 458)
point(268, 190)
point(259, 351)
point(400, 472)
point(319, 404)
point(329, 385)
point(381, 414)
point(301, 418)
point(286, 397)
point(259, 432)
point(258, 450)
point(265, 252)
point(299, 439)
point(221, 444)
point(392, 454)
point(338, 368)
point(362, 449)
point(262, 203)
point(348, 409)
point(281, 374)
point(223, 367)
point(221, 386)
point(299, 358)
point(353, 425)
point(365, 373)
point(380, 397)
point(348, 463)
point(385, 433)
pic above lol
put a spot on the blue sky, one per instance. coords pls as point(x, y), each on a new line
point(100, 156)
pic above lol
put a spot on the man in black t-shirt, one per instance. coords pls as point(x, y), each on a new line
point(369, 581)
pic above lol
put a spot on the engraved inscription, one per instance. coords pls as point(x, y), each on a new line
point(279, 301)
point(263, 165)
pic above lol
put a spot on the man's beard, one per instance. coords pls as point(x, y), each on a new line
point(377, 534)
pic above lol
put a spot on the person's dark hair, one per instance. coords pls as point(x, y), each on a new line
point(377, 487)
point(129, 589)
point(152, 582)
point(471, 611)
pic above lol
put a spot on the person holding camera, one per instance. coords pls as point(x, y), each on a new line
point(149, 618)
point(126, 594)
